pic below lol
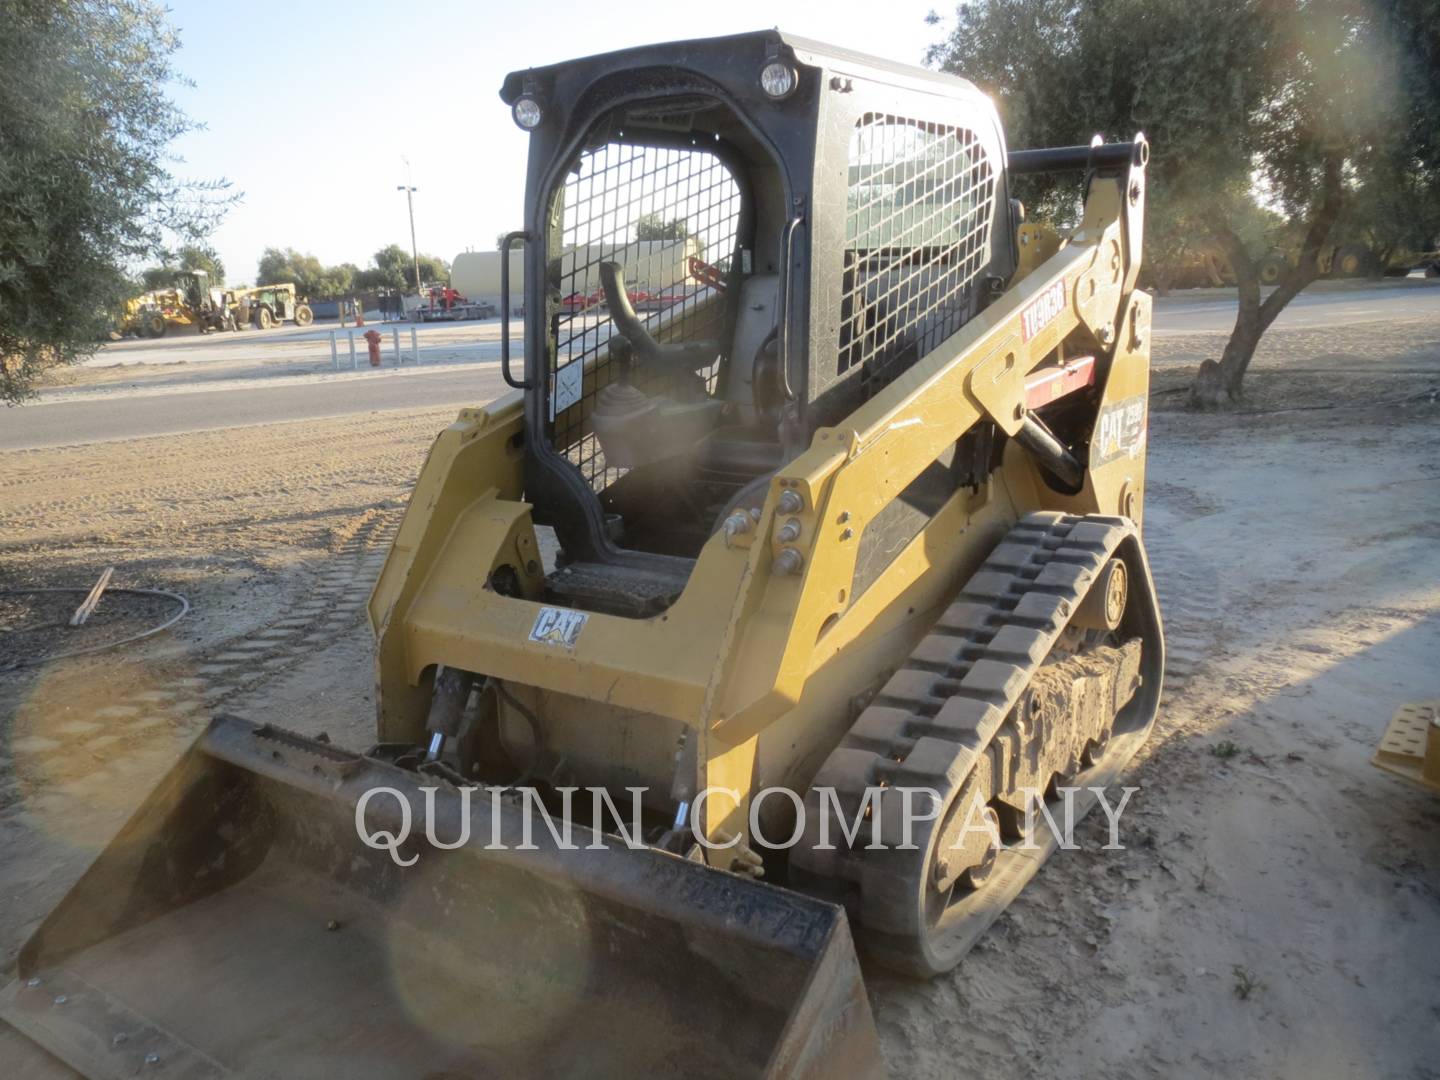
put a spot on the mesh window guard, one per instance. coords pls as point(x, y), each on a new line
point(665, 215)
point(917, 235)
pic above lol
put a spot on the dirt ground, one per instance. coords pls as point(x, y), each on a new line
point(1276, 911)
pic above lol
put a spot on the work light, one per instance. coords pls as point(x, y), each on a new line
point(777, 79)
point(527, 113)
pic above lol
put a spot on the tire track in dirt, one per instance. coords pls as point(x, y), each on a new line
point(196, 492)
point(181, 695)
point(1188, 587)
point(174, 482)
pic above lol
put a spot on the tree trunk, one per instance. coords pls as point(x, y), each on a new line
point(1218, 384)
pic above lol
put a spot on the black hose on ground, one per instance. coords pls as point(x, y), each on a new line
point(130, 640)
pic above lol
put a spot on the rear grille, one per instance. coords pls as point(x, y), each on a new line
point(917, 235)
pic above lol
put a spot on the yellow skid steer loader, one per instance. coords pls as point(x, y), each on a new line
point(765, 618)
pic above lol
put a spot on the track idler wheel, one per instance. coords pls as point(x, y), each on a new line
point(968, 843)
point(1103, 606)
point(962, 855)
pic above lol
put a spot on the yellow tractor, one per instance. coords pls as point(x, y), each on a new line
point(269, 305)
point(141, 317)
point(770, 623)
point(191, 301)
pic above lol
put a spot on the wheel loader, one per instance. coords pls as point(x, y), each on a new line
point(738, 641)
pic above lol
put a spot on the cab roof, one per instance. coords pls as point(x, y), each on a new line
point(761, 42)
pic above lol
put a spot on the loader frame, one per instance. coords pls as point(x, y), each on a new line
point(787, 646)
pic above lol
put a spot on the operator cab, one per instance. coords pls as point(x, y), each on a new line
point(722, 256)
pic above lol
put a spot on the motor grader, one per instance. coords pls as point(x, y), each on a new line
point(851, 529)
point(190, 301)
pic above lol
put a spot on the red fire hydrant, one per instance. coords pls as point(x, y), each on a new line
point(373, 337)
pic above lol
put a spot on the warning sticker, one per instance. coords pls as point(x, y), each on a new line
point(1119, 432)
point(568, 382)
point(558, 626)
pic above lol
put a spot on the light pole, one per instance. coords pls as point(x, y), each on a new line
point(414, 251)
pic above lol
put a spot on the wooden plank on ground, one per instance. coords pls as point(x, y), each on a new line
point(87, 608)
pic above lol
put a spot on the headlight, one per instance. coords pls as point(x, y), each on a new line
point(777, 79)
point(527, 113)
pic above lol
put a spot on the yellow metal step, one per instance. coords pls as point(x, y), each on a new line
point(1410, 747)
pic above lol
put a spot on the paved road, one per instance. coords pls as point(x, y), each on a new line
point(293, 342)
point(80, 417)
point(108, 418)
point(1181, 314)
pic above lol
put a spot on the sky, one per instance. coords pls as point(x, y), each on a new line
point(312, 109)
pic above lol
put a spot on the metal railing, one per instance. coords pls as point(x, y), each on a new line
point(395, 353)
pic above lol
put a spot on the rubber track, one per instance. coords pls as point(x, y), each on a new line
point(939, 712)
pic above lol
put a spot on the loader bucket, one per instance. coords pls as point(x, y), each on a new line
point(238, 926)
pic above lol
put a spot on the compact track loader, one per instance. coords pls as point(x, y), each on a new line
point(779, 601)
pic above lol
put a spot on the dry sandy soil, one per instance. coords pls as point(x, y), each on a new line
point(1276, 911)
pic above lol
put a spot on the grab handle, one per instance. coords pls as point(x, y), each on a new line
point(787, 255)
point(509, 238)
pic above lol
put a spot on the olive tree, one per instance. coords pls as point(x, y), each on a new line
point(200, 257)
point(1284, 101)
point(86, 187)
point(311, 278)
point(395, 269)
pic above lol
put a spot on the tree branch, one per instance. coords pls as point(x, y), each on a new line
point(1307, 266)
point(1247, 278)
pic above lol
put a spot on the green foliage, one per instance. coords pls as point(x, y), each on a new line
point(1225, 749)
point(432, 269)
point(1397, 205)
point(85, 182)
point(189, 257)
point(395, 269)
point(1396, 212)
point(654, 227)
point(339, 280)
point(1224, 89)
point(1296, 104)
point(392, 268)
point(312, 278)
point(390, 271)
point(371, 279)
point(203, 257)
point(1245, 982)
point(1186, 72)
